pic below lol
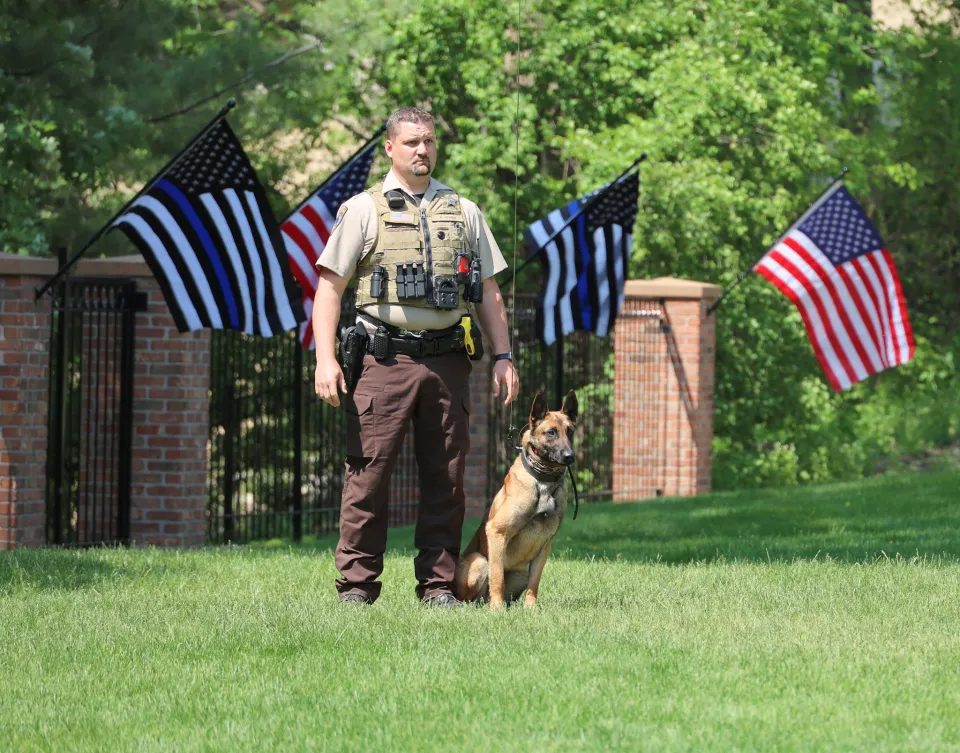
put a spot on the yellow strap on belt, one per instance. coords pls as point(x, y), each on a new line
point(468, 343)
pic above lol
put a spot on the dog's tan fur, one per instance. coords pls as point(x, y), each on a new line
point(507, 554)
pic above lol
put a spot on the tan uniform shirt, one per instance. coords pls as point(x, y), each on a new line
point(355, 234)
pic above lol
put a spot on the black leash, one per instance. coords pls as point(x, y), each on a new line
point(513, 430)
point(576, 496)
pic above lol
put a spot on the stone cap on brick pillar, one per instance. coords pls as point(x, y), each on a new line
point(36, 266)
point(671, 287)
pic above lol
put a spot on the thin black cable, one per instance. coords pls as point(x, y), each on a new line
point(272, 64)
point(511, 323)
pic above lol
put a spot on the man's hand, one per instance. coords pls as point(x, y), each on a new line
point(327, 379)
point(505, 379)
point(493, 323)
point(326, 314)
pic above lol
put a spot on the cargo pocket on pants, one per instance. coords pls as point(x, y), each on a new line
point(361, 426)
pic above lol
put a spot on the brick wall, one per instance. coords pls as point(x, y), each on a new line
point(24, 334)
point(689, 426)
point(639, 391)
point(663, 405)
point(707, 353)
point(663, 390)
point(170, 423)
point(475, 477)
point(171, 412)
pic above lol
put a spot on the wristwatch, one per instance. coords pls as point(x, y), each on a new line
point(508, 356)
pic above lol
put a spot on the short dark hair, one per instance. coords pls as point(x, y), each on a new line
point(408, 115)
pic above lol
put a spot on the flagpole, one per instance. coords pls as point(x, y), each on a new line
point(743, 275)
point(377, 135)
point(100, 233)
point(586, 207)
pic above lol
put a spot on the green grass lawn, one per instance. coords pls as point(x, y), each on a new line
point(804, 619)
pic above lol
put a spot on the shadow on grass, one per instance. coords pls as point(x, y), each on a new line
point(53, 569)
point(62, 569)
point(910, 515)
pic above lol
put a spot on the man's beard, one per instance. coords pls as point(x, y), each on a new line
point(421, 168)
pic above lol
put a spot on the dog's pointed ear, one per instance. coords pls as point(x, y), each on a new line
point(570, 406)
point(537, 411)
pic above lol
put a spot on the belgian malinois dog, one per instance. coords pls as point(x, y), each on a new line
point(506, 555)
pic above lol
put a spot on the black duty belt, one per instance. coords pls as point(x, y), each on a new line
point(389, 340)
point(418, 347)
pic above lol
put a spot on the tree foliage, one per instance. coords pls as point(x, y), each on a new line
point(746, 108)
point(91, 94)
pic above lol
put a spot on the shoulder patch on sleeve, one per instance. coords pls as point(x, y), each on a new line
point(341, 213)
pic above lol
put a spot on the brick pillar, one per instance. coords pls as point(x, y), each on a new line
point(664, 346)
point(24, 363)
point(171, 423)
point(171, 409)
point(475, 479)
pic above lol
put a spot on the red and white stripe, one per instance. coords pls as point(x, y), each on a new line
point(305, 235)
point(854, 313)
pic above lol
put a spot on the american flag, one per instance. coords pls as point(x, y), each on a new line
point(306, 230)
point(587, 263)
point(206, 230)
point(833, 265)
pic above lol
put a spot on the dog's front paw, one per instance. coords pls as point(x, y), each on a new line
point(498, 605)
point(530, 600)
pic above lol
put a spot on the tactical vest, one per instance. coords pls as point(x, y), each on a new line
point(422, 256)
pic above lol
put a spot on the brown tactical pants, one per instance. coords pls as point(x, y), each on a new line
point(433, 394)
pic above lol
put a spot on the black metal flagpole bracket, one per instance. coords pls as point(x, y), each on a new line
point(743, 275)
point(576, 215)
point(109, 223)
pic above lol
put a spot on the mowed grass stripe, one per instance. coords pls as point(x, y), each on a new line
point(657, 629)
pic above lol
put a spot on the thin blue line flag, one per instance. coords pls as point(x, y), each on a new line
point(586, 265)
point(207, 232)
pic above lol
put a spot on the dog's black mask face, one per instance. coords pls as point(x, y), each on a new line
point(551, 432)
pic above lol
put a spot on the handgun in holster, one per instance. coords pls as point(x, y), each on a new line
point(472, 339)
point(353, 346)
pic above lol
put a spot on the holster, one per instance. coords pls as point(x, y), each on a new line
point(353, 346)
point(478, 339)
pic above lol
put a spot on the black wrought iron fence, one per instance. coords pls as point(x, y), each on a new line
point(276, 450)
point(252, 446)
point(91, 411)
point(579, 361)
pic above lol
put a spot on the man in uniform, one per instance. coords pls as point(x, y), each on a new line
point(421, 254)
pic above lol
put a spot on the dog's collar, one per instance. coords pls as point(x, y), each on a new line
point(540, 475)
